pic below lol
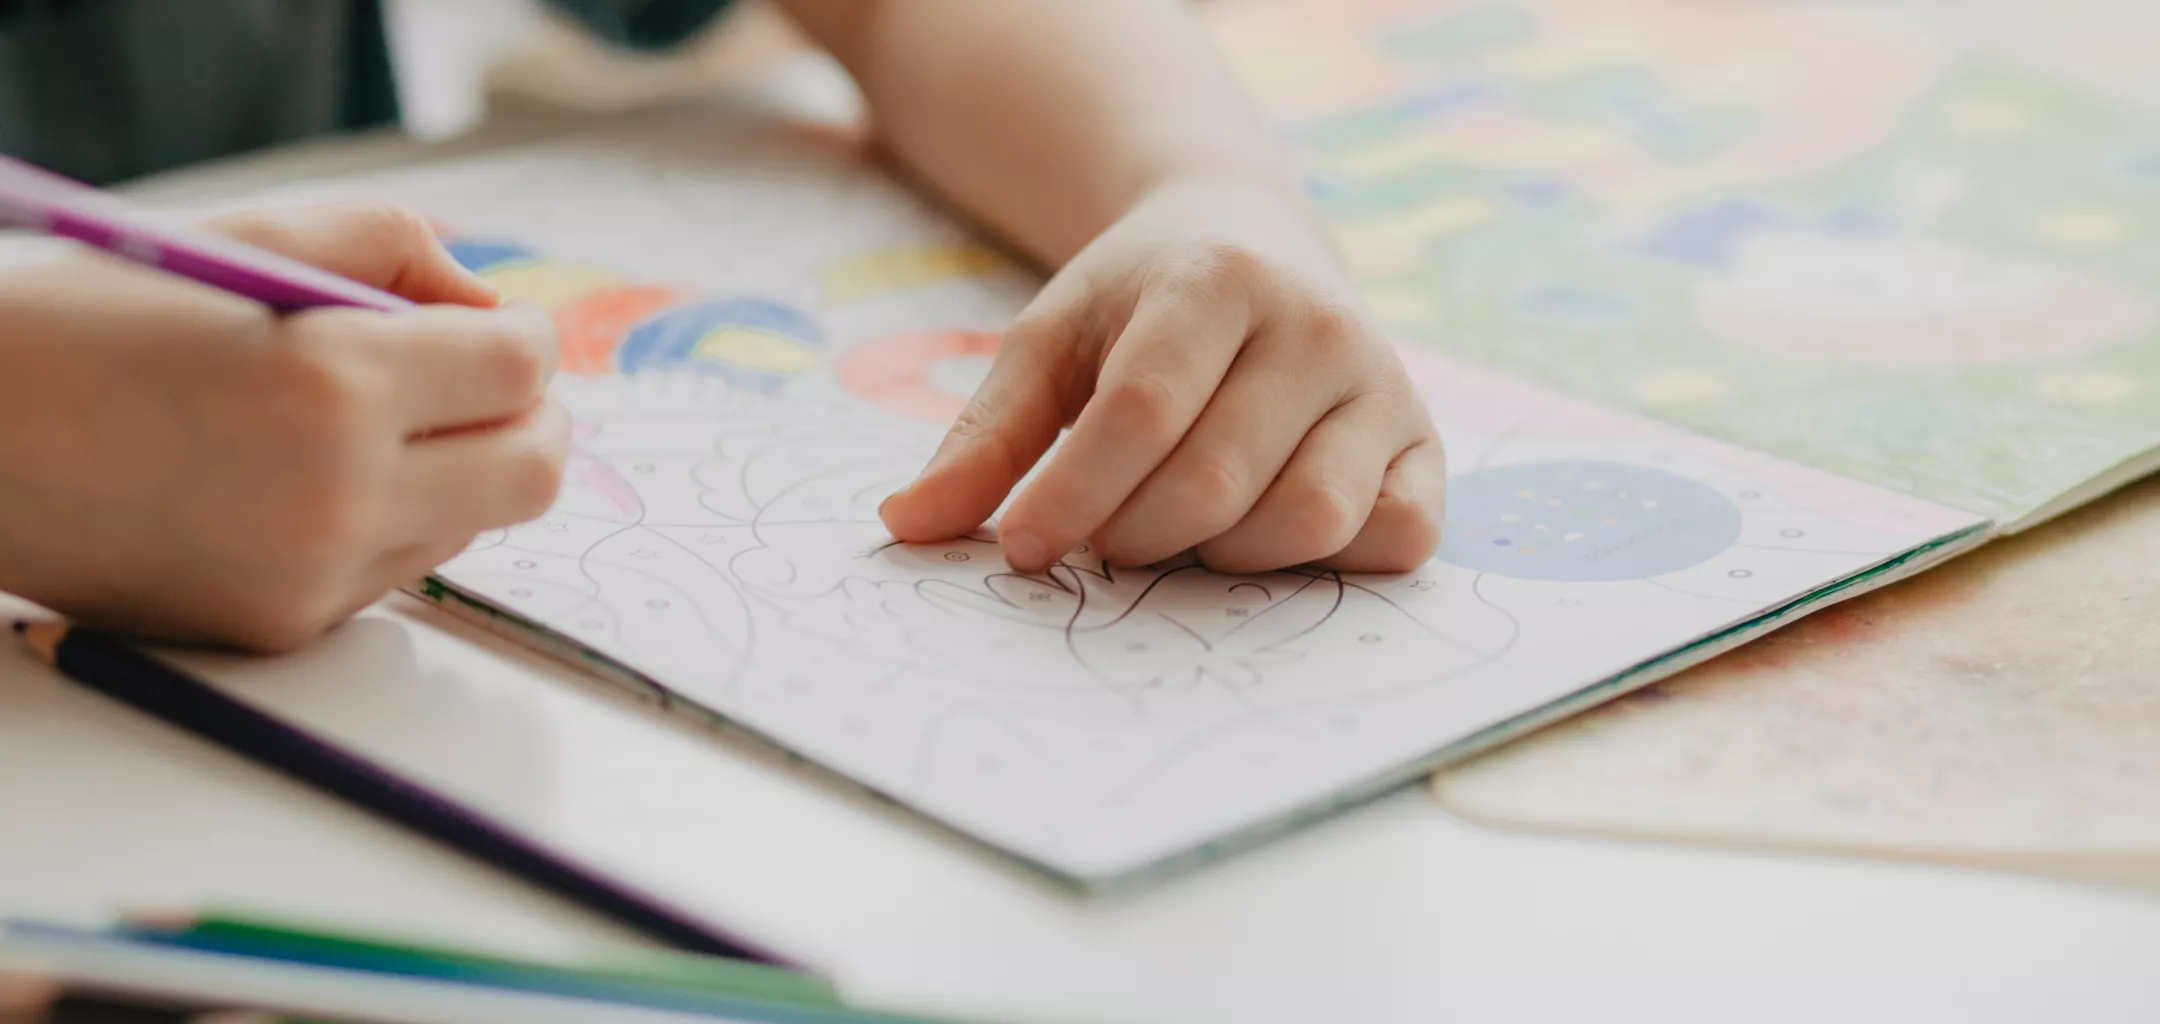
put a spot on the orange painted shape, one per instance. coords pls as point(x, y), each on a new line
point(895, 372)
point(591, 328)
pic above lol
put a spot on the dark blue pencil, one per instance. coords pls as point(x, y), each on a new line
point(112, 666)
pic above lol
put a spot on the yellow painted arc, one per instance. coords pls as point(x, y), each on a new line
point(892, 270)
point(548, 284)
point(757, 350)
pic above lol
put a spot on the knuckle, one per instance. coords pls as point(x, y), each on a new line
point(388, 222)
point(1323, 519)
point(1203, 273)
point(1226, 263)
point(1332, 330)
point(1218, 488)
point(974, 430)
point(974, 421)
point(516, 360)
point(1147, 405)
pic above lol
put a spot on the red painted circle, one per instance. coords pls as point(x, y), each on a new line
point(895, 372)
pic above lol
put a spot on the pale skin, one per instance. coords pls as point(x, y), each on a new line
point(1225, 389)
point(186, 465)
point(183, 464)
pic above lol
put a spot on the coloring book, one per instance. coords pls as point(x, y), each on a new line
point(764, 336)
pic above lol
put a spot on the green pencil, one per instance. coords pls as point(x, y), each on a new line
point(681, 972)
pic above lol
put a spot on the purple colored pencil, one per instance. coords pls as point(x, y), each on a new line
point(39, 200)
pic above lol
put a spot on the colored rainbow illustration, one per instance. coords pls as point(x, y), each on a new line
point(608, 325)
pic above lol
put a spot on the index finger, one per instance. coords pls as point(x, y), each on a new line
point(1158, 377)
point(381, 245)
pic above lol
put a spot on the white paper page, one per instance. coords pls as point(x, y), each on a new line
point(800, 329)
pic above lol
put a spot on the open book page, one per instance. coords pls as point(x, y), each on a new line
point(1999, 711)
point(1907, 243)
point(764, 339)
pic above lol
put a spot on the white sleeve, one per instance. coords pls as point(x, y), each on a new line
point(441, 51)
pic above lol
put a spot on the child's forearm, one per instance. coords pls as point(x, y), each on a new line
point(1047, 119)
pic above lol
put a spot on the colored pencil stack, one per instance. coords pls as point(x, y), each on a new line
point(232, 969)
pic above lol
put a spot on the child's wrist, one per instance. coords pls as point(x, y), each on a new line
point(1264, 187)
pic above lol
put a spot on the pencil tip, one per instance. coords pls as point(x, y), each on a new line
point(43, 638)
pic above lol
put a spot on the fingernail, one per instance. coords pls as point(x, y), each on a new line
point(1026, 551)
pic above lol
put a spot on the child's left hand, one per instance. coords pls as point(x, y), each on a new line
point(1225, 393)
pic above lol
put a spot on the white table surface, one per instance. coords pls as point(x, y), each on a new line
point(1395, 913)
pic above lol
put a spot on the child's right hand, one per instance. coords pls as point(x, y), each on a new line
point(184, 464)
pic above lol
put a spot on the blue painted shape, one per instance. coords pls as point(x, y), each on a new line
point(670, 340)
point(1543, 193)
point(1707, 235)
point(479, 254)
point(1568, 305)
point(1582, 521)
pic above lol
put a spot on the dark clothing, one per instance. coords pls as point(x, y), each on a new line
point(110, 89)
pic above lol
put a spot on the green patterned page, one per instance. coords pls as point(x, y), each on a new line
point(1912, 244)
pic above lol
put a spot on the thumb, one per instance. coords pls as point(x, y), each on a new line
point(381, 245)
point(1011, 421)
